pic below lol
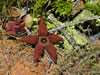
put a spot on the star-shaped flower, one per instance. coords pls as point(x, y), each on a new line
point(43, 41)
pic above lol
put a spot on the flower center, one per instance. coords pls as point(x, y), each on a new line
point(43, 40)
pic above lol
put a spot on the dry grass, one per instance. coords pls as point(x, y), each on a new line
point(17, 59)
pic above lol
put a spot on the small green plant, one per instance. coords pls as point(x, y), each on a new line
point(93, 6)
point(63, 7)
point(38, 6)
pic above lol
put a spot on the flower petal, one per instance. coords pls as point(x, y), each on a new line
point(11, 26)
point(54, 38)
point(13, 32)
point(29, 39)
point(42, 31)
point(21, 27)
point(14, 27)
point(52, 52)
point(38, 52)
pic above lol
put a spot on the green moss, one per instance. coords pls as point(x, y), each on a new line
point(93, 6)
point(62, 7)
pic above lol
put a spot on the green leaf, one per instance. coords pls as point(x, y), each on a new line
point(81, 40)
point(93, 6)
point(85, 14)
point(67, 47)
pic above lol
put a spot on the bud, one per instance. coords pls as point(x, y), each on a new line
point(28, 21)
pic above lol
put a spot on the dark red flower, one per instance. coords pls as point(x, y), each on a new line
point(43, 41)
point(13, 28)
point(18, 25)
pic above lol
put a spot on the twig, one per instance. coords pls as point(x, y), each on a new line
point(47, 5)
point(29, 33)
point(93, 38)
point(74, 23)
point(76, 2)
point(68, 37)
point(96, 35)
point(49, 63)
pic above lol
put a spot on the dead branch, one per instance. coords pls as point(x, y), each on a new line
point(74, 23)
